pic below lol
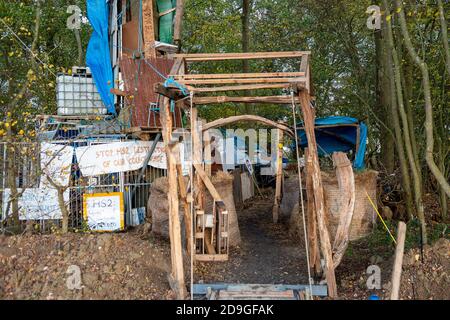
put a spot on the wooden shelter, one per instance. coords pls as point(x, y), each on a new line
point(210, 242)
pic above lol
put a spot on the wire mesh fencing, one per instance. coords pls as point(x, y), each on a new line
point(28, 200)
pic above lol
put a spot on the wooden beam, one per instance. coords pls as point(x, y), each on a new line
point(309, 120)
point(346, 183)
point(178, 22)
point(245, 87)
point(398, 262)
point(240, 75)
point(241, 80)
point(193, 57)
point(229, 120)
point(209, 185)
point(224, 99)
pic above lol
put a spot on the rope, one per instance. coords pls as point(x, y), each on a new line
point(301, 193)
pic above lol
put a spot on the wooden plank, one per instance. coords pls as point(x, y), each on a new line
point(193, 57)
point(398, 262)
point(211, 257)
point(245, 87)
point(346, 183)
point(304, 65)
point(224, 99)
point(239, 75)
point(241, 80)
point(309, 120)
point(233, 119)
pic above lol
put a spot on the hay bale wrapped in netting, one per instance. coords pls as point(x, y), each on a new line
point(364, 215)
point(223, 182)
point(290, 199)
point(158, 208)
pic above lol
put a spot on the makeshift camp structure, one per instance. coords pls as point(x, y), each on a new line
point(190, 90)
point(148, 92)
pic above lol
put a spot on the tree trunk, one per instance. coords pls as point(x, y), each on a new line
point(429, 121)
point(406, 181)
point(63, 208)
point(80, 48)
point(383, 93)
point(406, 132)
point(444, 27)
point(246, 5)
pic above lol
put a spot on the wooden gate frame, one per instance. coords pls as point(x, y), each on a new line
point(202, 84)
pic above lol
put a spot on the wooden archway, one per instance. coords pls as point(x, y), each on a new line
point(247, 118)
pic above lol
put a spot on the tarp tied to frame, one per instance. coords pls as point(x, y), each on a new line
point(98, 56)
point(335, 134)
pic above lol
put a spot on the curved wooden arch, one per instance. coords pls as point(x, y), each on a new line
point(246, 118)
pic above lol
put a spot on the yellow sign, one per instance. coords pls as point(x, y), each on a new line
point(104, 211)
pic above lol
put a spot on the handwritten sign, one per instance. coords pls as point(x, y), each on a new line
point(104, 211)
point(56, 164)
point(118, 157)
point(36, 203)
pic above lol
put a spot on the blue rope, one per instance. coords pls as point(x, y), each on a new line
point(171, 81)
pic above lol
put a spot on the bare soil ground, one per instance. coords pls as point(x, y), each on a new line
point(267, 254)
point(424, 277)
point(113, 266)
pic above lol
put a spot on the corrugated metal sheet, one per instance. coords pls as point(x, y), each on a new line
point(139, 80)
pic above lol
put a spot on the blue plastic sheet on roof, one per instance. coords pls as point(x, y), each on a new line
point(97, 56)
point(340, 137)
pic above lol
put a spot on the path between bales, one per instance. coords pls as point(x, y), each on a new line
point(268, 254)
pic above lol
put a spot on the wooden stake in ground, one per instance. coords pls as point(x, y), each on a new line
point(279, 176)
point(398, 262)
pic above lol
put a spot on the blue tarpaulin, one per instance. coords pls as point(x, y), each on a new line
point(339, 134)
point(98, 57)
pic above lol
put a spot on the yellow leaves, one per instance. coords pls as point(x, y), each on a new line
point(388, 18)
point(10, 54)
point(399, 10)
point(31, 76)
point(7, 125)
point(21, 132)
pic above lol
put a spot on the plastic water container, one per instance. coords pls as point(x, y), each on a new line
point(77, 95)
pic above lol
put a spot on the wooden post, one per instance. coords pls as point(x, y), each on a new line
point(398, 262)
point(176, 278)
point(178, 23)
point(346, 182)
point(309, 123)
point(148, 26)
point(314, 250)
point(207, 151)
point(279, 176)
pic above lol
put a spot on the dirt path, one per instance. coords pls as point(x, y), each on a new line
point(267, 255)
